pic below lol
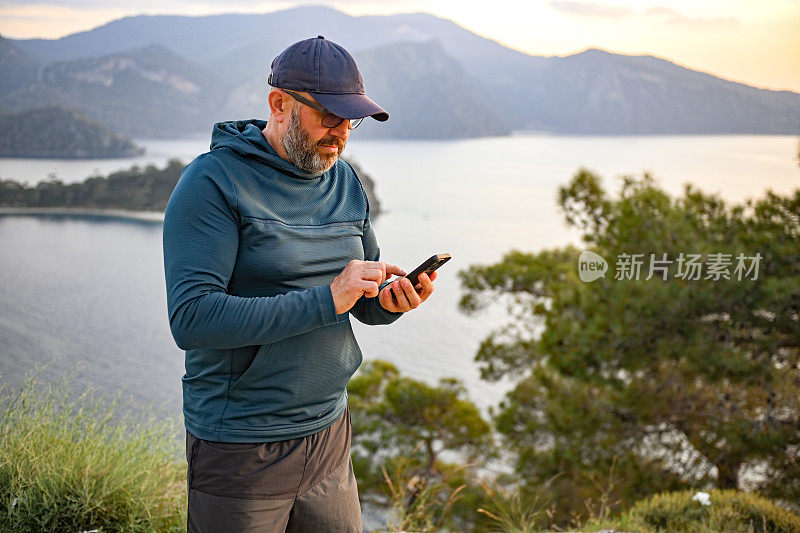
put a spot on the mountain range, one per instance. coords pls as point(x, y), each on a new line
point(59, 132)
point(161, 76)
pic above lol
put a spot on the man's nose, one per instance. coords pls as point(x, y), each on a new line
point(341, 130)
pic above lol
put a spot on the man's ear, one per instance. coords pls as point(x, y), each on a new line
point(278, 105)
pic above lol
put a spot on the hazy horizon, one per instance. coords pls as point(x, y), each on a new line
point(756, 43)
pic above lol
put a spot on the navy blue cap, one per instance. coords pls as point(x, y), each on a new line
point(327, 72)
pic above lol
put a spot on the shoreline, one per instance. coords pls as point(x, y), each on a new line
point(141, 216)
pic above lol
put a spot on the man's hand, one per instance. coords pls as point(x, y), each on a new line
point(360, 278)
point(399, 296)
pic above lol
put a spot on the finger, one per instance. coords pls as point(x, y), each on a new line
point(370, 288)
point(425, 282)
point(387, 300)
point(394, 269)
point(375, 264)
point(383, 272)
point(374, 274)
point(421, 276)
point(412, 296)
point(425, 286)
point(400, 294)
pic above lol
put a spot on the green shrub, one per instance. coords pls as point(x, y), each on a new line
point(729, 510)
point(72, 464)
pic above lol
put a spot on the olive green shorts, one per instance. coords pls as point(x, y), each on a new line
point(303, 484)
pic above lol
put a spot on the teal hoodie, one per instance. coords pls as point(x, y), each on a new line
point(251, 244)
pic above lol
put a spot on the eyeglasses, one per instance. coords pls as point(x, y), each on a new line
point(329, 120)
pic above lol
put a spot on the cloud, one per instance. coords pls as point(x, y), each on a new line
point(590, 9)
point(662, 14)
point(671, 16)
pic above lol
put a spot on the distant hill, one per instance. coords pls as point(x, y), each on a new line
point(19, 68)
point(59, 132)
point(237, 46)
point(600, 92)
point(592, 92)
point(429, 94)
point(150, 92)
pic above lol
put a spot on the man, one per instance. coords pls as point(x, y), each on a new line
point(268, 249)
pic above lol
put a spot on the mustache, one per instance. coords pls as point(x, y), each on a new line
point(331, 140)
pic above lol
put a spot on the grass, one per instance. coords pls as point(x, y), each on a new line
point(71, 463)
point(81, 463)
point(418, 504)
point(513, 513)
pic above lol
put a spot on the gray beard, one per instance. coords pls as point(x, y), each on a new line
point(301, 150)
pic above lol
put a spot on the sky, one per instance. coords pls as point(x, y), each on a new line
point(751, 41)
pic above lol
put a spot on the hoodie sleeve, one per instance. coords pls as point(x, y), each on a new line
point(201, 238)
point(369, 310)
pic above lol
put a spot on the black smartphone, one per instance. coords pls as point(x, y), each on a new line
point(428, 266)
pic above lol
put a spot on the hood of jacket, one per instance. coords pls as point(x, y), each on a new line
point(246, 138)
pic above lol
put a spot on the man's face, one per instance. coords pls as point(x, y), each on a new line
point(309, 145)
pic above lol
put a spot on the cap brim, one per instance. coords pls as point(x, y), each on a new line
point(351, 105)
